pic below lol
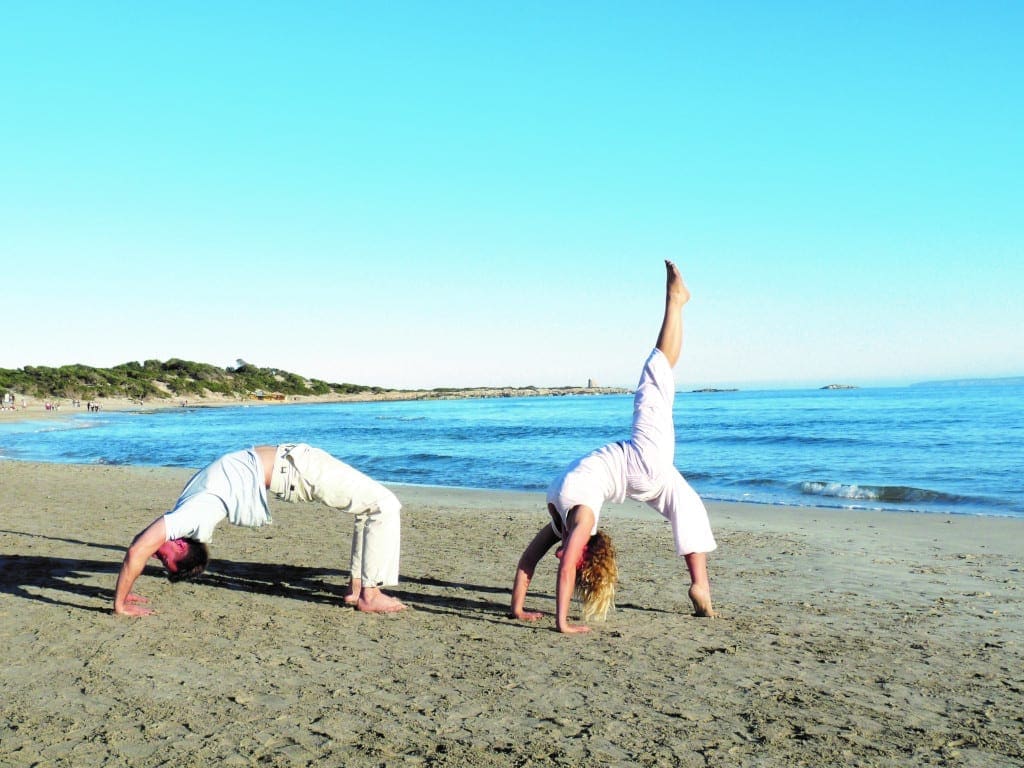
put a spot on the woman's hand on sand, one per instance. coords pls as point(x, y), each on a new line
point(525, 615)
point(133, 606)
point(573, 629)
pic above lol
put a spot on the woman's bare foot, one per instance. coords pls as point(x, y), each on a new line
point(700, 584)
point(375, 601)
point(670, 337)
point(700, 596)
point(676, 291)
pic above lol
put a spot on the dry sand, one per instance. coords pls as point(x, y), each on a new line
point(846, 638)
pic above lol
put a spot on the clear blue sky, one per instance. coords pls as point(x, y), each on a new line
point(456, 194)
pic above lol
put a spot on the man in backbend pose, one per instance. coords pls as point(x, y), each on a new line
point(234, 487)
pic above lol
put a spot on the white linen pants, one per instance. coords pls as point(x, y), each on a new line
point(651, 474)
point(304, 473)
point(641, 468)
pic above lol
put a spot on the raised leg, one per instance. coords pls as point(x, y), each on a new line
point(670, 338)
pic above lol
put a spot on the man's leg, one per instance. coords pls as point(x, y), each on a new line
point(355, 585)
point(380, 555)
point(338, 485)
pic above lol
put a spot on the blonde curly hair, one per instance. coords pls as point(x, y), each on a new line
point(597, 577)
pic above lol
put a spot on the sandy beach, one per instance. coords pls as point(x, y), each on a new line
point(845, 638)
point(41, 408)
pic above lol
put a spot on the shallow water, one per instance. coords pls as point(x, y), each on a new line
point(923, 448)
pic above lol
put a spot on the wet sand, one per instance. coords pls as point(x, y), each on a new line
point(36, 408)
point(845, 638)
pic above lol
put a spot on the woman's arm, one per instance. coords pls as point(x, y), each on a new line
point(535, 550)
point(580, 524)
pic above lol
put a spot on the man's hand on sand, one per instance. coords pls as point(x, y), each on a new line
point(133, 606)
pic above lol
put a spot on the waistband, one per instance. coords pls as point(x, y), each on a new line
point(281, 480)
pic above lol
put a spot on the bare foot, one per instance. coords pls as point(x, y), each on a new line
point(700, 596)
point(675, 288)
point(375, 601)
point(353, 592)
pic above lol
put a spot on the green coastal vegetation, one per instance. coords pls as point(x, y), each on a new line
point(154, 379)
point(181, 379)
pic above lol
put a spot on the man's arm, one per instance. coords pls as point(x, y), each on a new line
point(535, 550)
point(143, 547)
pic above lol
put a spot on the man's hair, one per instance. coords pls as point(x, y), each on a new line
point(192, 563)
point(597, 577)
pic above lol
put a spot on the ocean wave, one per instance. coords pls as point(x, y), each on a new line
point(757, 482)
point(66, 426)
point(428, 457)
point(784, 439)
point(895, 494)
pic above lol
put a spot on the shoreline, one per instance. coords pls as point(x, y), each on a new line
point(885, 638)
point(35, 407)
point(628, 508)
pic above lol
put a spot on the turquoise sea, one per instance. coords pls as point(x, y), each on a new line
point(926, 448)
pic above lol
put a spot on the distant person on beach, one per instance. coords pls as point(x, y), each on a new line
point(234, 487)
point(641, 468)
